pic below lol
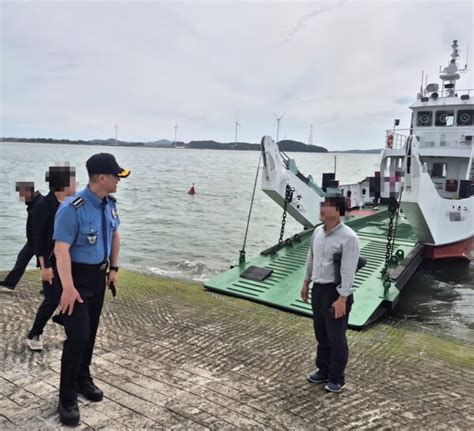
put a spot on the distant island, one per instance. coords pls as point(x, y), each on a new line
point(285, 145)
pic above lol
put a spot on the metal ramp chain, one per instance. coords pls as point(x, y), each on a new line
point(392, 209)
point(288, 198)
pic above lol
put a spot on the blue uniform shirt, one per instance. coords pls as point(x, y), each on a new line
point(87, 223)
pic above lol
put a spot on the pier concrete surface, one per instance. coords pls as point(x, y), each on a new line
point(170, 354)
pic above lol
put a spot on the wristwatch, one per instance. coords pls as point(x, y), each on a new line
point(113, 268)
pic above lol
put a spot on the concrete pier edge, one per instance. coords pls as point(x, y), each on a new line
point(170, 354)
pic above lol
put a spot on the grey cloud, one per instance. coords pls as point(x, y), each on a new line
point(76, 70)
point(405, 101)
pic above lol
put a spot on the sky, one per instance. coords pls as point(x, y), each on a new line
point(74, 70)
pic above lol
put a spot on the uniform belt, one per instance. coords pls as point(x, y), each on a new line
point(94, 267)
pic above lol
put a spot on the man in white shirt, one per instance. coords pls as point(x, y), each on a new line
point(331, 302)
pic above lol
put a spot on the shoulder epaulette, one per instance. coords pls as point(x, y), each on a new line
point(77, 202)
point(112, 197)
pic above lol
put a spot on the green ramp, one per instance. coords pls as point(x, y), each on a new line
point(282, 288)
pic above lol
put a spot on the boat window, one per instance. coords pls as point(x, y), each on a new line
point(465, 117)
point(424, 118)
point(444, 118)
point(439, 170)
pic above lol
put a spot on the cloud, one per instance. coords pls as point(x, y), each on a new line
point(404, 101)
point(75, 70)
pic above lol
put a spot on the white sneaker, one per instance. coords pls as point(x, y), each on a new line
point(36, 343)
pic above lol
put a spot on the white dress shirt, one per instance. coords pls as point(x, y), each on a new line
point(320, 267)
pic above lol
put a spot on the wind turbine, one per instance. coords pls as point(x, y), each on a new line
point(237, 124)
point(116, 132)
point(175, 136)
point(278, 125)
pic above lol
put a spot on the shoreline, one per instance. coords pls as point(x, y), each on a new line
point(169, 353)
point(143, 145)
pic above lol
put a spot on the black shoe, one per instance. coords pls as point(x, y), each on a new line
point(334, 387)
point(87, 388)
point(317, 377)
point(59, 319)
point(69, 414)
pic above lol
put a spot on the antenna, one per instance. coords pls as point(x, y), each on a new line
point(278, 124)
point(467, 58)
point(310, 140)
point(421, 86)
point(455, 53)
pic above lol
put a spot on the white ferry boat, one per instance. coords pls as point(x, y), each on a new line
point(429, 167)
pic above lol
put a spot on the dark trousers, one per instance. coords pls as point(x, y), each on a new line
point(332, 351)
point(52, 296)
point(81, 329)
point(22, 261)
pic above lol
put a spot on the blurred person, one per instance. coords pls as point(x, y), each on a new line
point(62, 183)
point(26, 190)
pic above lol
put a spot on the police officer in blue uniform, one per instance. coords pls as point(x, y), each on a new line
point(87, 243)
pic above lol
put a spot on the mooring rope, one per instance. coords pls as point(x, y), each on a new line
point(242, 252)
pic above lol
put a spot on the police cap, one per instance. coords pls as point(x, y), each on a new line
point(105, 163)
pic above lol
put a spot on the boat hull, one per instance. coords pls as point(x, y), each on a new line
point(459, 250)
point(445, 226)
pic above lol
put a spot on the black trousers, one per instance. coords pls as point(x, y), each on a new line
point(81, 329)
point(52, 296)
point(22, 261)
point(332, 351)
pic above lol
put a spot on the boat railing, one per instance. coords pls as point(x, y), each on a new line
point(436, 137)
point(458, 92)
point(396, 140)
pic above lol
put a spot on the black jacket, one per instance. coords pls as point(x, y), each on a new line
point(29, 208)
point(43, 226)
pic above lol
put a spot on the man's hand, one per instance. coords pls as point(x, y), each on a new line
point(68, 300)
point(112, 277)
point(339, 307)
point(47, 275)
point(305, 292)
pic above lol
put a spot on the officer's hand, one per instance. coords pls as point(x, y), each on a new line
point(304, 293)
point(112, 277)
point(47, 275)
point(68, 299)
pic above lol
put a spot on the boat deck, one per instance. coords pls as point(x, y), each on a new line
point(282, 288)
